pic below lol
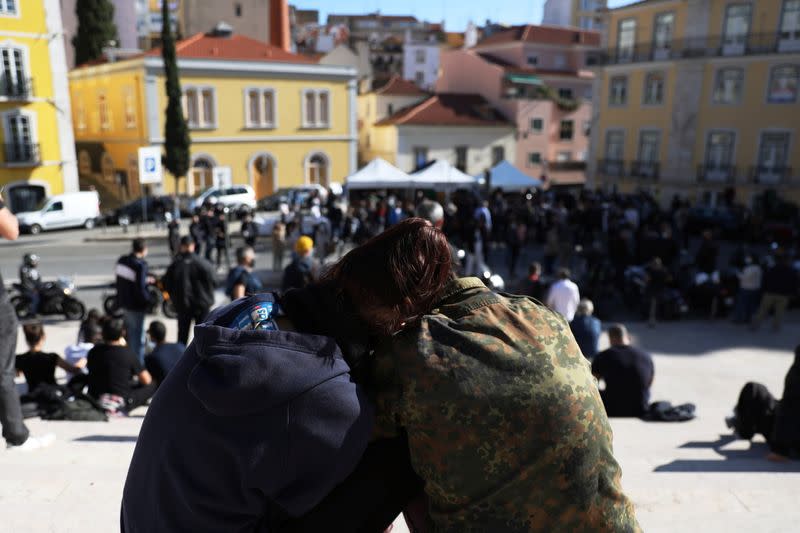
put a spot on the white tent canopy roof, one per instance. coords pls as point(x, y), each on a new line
point(442, 174)
point(379, 174)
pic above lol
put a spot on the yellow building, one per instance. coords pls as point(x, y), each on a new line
point(700, 98)
point(38, 155)
point(273, 118)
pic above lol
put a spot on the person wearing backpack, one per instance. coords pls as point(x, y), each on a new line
point(190, 282)
point(302, 271)
point(241, 280)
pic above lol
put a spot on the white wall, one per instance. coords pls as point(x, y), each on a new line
point(557, 12)
point(441, 142)
point(429, 68)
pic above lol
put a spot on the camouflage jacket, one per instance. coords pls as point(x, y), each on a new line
point(504, 420)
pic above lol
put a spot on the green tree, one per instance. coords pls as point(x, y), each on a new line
point(176, 132)
point(96, 29)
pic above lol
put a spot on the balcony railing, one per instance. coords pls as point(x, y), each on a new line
point(708, 173)
point(22, 153)
point(697, 47)
point(767, 175)
point(611, 167)
point(645, 169)
point(564, 166)
point(16, 89)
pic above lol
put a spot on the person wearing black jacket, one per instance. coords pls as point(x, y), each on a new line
point(190, 283)
point(132, 295)
point(198, 233)
point(779, 285)
point(249, 231)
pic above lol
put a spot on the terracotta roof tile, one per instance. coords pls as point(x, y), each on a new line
point(234, 47)
point(397, 86)
point(448, 109)
point(543, 34)
point(514, 69)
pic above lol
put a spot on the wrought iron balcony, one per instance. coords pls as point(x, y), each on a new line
point(710, 173)
point(563, 166)
point(770, 175)
point(645, 169)
point(20, 89)
point(611, 167)
point(18, 153)
point(708, 46)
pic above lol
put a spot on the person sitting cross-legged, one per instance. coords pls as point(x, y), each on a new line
point(38, 366)
point(164, 356)
point(628, 374)
point(113, 366)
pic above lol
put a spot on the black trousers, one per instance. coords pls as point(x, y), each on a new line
point(369, 500)
point(755, 411)
point(140, 395)
point(14, 430)
point(185, 319)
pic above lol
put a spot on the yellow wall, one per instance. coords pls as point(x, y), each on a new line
point(384, 144)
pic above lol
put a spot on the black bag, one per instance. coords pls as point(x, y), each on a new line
point(666, 412)
point(59, 403)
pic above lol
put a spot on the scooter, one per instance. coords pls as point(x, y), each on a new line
point(55, 298)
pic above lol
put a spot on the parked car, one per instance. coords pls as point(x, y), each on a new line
point(134, 212)
point(235, 196)
point(68, 210)
point(291, 196)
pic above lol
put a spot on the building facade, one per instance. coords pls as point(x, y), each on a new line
point(584, 14)
point(38, 156)
point(700, 99)
point(273, 118)
point(421, 61)
point(462, 129)
point(537, 76)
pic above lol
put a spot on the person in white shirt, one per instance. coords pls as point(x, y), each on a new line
point(749, 290)
point(564, 296)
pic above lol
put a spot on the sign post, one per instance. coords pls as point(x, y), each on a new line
point(150, 172)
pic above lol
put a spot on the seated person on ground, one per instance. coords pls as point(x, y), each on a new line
point(75, 354)
point(586, 329)
point(113, 367)
point(39, 367)
point(757, 411)
point(165, 354)
point(628, 373)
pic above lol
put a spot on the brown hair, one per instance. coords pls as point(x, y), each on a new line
point(400, 272)
point(34, 332)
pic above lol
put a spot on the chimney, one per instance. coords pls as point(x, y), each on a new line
point(279, 34)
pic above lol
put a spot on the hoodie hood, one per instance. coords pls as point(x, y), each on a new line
point(242, 372)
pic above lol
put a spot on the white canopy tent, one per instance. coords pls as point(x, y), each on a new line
point(379, 174)
point(443, 176)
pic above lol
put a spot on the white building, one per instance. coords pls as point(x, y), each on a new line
point(584, 14)
point(421, 61)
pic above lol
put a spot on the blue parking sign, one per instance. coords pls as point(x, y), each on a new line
point(150, 164)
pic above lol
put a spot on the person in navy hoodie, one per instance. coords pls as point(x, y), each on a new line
point(261, 425)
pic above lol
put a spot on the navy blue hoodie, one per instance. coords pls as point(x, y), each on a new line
point(250, 426)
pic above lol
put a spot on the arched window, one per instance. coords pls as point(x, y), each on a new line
point(202, 177)
point(84, 163)
point(262, 171)
point(317, 170)
point(107, 167)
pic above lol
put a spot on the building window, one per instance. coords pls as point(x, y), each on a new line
point(130, 109)
point(719, 149)
point(587, 127)
point(560, 61)
point(80, 112)
point(663, 31)
point(736, 28)
point(564, 156)
point(260, 108)
point(773, 153)
point(102, 112)
point(389, 109)
point(420, 156)
point(13, 79)
point(8, 7)
point(533, 60)
point(498, 154)
point(238, 10)
point(419, 78)
point(566, 130)
point(615, 145)
point(107, 167)
point(790, 22)
point(419, 55)
point(587, 5)
point(586, 23)
point(618, 95)
point(654, 88)
point(461, 158)
point(200, 107)
point(317, 170)
point(783, 84)
point(728, 86)
point(316, 108)
point(649, 142)
point(537, 124)
point(534, 158)
point(565, 93)
point(84, 163)
point(626, 39)
point(19, 140)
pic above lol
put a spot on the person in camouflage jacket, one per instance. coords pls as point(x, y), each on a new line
point(504, 420)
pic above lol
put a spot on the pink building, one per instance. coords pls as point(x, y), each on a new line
point(537, 76)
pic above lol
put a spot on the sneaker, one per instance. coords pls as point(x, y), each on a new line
point(33, 443)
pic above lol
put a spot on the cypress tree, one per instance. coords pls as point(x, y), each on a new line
point(176, 132)
point(96, 29)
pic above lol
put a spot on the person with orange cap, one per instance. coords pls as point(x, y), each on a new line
point(303, 270)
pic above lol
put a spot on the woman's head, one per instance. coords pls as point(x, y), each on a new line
point(395, 276)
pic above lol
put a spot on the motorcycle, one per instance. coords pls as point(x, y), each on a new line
point(159, 298)
point(55, 298)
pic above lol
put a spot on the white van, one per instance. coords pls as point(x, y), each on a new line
point(234, 196)
point(69, 210)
